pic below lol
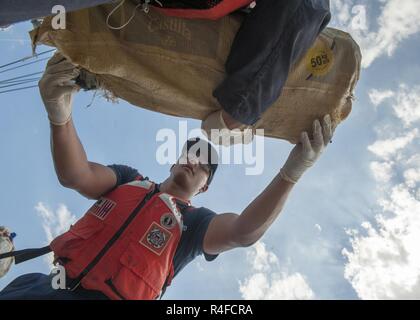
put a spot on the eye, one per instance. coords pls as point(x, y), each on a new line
point(205, 167)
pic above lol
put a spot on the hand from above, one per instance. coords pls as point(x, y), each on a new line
point(57, 88)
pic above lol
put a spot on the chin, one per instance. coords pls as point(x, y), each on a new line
point(182, 179)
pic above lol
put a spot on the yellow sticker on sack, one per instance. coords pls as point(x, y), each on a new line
point(319, 59)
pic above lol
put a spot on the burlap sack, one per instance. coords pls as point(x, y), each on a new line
point(172, 65)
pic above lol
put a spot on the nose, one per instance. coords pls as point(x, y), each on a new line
point(192, 159)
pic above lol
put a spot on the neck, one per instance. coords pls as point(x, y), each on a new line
point(172, 188)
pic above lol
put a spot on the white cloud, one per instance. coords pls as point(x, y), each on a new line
point(387, 148)
point(398, 20)
point(384, 262)
point(279, 286)
point(54, 223)
point(407, 104)
point(269, 282)
point(382, 171)
point(318, 228)
point(377, 97)
point(412, 176)
point(261, 259)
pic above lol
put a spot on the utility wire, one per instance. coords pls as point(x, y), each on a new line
point(18, 84)
point(18, 89)
point(26, 64)
point(22, 80)
point(20, 77)
point(26, 58)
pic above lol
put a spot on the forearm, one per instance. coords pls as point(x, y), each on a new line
point(263, 211)
point(230, 230)
point(70, 160)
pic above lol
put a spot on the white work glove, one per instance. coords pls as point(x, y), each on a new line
point(307, 152)
point(6, 245)
point(57, 87)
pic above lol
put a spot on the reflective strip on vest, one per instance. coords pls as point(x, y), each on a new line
point(169, 201)
point(142, 184)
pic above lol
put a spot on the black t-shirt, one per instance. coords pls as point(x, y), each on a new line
point(196, 221)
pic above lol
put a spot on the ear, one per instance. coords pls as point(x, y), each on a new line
point(204, 189)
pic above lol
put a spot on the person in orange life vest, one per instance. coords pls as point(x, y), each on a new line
point(101, 267)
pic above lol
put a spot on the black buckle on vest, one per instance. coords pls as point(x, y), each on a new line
point(72, 284)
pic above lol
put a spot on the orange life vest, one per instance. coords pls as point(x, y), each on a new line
point(124, 245)
point(209, 9)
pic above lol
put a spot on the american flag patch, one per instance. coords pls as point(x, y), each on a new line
point(102, 207)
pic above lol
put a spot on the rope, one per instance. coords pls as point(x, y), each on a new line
point(145, 7)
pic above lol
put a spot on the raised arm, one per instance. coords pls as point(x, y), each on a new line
point(229, 230)
point(71, 164)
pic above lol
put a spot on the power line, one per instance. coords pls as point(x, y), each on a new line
point(18, 89)
point(25, 75)
point(21, 80)
point(19, 83)
point(26, 58)
point(23, 65)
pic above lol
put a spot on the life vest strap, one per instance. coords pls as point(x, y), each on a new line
point(26, 254)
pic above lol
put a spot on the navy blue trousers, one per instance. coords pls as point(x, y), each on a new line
point(37, 286)
point(272, 37)
point(12, 11)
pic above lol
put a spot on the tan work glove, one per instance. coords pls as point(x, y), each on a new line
point(57, 87)
point(307, 152)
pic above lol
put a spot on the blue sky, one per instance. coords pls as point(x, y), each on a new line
point(350, 229)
